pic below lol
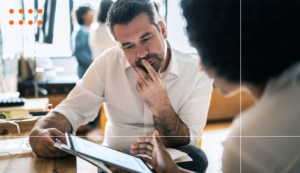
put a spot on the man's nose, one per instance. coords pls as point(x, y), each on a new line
point(142, 51)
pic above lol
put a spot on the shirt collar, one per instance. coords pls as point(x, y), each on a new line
point(172, 69)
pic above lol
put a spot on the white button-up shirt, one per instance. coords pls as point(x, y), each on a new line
point(266, 137)
point(111, 80)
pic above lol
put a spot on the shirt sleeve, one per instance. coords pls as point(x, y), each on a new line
point(198, 105)
point(195, 103)
point(84, 101)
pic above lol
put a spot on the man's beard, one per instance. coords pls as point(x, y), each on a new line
point(150, 57)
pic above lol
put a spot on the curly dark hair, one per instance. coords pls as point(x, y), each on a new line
point(124, 11)
point(250, 40)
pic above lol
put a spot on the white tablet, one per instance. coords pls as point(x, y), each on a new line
point(107, 155)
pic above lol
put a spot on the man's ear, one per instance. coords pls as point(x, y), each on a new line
point(163, 28)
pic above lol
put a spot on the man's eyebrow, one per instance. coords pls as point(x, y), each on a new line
point(142, 37)
point(146, 34)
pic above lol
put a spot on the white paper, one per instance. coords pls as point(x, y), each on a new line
point(179, 156)
point(176, 155)
point(14, 146)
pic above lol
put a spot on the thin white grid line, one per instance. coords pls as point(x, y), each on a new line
point(240, 84)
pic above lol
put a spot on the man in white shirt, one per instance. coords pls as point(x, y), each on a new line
point(144, 85)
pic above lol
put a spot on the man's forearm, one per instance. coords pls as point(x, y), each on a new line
point(173, 131)
point(54, 120)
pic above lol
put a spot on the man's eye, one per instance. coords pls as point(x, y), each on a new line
point(145, 39)
point(128, 47)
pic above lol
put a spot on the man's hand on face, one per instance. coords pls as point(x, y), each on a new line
point(151, 88)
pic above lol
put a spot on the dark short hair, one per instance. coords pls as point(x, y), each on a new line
point(124, 11)
point(250, 42)
point(103, 9)
point(80, 12)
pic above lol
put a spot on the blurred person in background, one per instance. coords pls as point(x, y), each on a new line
point(100, 39)
point(80, 37)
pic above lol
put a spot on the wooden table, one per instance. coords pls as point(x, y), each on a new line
point(29, 163)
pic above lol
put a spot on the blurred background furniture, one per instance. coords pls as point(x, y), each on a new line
point(226, 108)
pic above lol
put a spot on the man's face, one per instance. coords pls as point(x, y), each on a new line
point(141, 40)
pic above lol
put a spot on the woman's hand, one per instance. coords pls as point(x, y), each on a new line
point(152, 150)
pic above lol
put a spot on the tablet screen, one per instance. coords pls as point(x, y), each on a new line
point(108, 155)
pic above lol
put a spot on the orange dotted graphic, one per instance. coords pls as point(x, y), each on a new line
point(40, 11)
point(40, 22)
point(29, 11)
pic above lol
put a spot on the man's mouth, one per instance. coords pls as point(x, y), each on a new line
point(151, 58)
point(140, 64)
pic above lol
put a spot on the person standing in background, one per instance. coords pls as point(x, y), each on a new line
point(81, 49)
point(100, 38)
